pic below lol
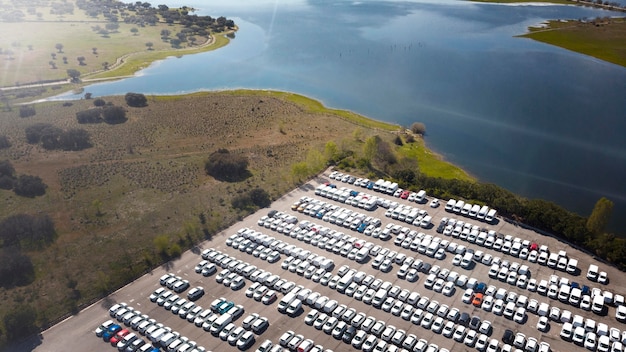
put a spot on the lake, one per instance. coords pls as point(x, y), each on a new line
point(538, 120)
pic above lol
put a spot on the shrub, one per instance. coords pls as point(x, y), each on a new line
point(398, 141)
point(260, 198)
point(34, 132)
point(29, 186)
point(114, 114)
point(418, 128)
point(136, 99)
point(27, 111)
point(90, 115)
point(75, 139)
point(20, 322)
point(6, 168)
point(28, 231)
point(4, 142)
point(99, 102)
point(15, 268)
point(225, 166)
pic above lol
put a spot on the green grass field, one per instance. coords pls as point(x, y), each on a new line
point(605, 40)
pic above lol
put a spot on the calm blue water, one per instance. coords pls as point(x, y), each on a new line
point(536, 119)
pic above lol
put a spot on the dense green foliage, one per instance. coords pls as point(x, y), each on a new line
point(257, 197)
point(600, 216)
point(20, 322)
point(27, 111)
point(29, 186)
point(227, 166)
point(4, 142)
point(51, 137)
point(136, 99)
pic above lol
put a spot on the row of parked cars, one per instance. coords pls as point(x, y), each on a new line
point(158, 335)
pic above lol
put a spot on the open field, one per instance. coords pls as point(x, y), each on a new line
point(603, 39)
point(145, 178)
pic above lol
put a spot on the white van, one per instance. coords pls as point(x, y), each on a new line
point(592, 272)
point(380, 297)
point(482, 213)
point(572, 266)
point(450, 205)
point(466, 261)
point(220, 323)
point(420, 196)
point(458, 206)
point(362, 254)
point(491, 215)
point(466, 209)
point(426, 221)
point(474, 211)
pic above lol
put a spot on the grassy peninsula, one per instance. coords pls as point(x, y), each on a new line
point(602, 38)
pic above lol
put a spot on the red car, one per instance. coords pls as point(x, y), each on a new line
point(119, 336)
point(533, 246)
point(405, 194)
point(477, 301)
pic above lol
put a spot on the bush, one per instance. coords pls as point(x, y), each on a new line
point(6, 182)
point(418, 128)
point(29, 186)
point(75, 139)
point(4, 142)
point(29, 231)
point(260, 198)
point(136, 99)
point(6, 168)
point(89, 115)
point(16, 269)
point(34, 132)
point(114, 114)
point(99, 102)
point(225, 166)
point(27, 111)
point(20, 322)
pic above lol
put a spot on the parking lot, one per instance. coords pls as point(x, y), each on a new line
point(77, 333)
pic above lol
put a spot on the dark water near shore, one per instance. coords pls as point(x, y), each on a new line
point(541, 121)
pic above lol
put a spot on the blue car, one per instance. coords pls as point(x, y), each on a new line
point(354, 193)
point(361, 227)
point(370, 185)
point(111, 331)
point(481, 287)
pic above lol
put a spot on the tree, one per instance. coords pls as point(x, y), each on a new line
point(99, 102)
point(27, 111)
point(6, 168)
point(175, 42)
point(134, 30)
point(105, 65)
point(114, 114)
point(16, 269)
point(52, 65)
point(94, 50)
point(59, 47)
point(599, 218)
point(225, 166)
point(149, 45)
point(165, 33)
point(20, 322)
point(65, 60)
point(81, 60)
point(29, 186)
point(418, 128)
point(112, 26)
point(73, 74)
point(75, 139)
point(299, 171)
point(136, 99)
point(4, 142)
point(260, 198)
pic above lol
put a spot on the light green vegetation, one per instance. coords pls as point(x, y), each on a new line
point(432, 164)
point(604, 39)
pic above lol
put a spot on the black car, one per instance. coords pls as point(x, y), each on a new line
point(425, 268)
point(474, 323)
point(441, 227)
point(348, 335)
point(508, 337)
point(464, 319)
